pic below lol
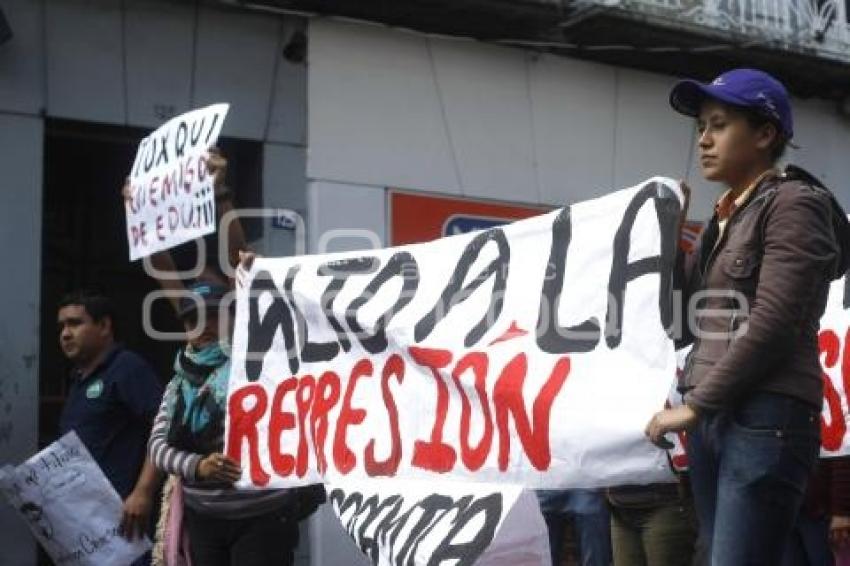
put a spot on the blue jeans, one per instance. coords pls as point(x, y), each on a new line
point(588, 511)
point(809, 543)
point(749, 468)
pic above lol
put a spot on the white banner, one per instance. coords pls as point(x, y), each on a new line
point(172, 196)
point(532, 354)
point(834, 341)
point(70, 506)
point(408, 522)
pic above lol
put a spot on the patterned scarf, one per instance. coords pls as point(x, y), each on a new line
point(197, 406)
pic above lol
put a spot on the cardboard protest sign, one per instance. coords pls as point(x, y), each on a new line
point(172, 195)
point(409, 522)
point(533, 353)
point(70, 506)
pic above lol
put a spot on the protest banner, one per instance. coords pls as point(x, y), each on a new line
point(172, 198)
point(532, 354)
point(834, 344)
point(70, 506)
point(678, 454)
point(409, 522)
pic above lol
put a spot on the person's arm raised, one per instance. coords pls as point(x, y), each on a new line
point(162, 262)
point(217, 166)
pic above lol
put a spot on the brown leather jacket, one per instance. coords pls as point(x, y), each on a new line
point(778, 253)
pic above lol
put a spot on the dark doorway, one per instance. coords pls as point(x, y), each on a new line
point(84, 243)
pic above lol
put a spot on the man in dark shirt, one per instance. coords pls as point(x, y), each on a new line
point(113, 399)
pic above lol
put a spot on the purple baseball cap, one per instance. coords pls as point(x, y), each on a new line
point(747, 88)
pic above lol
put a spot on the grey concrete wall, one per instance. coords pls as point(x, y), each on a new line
point(400, 109)
point(20, 255)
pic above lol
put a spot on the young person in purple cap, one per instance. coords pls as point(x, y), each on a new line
point(759, 278)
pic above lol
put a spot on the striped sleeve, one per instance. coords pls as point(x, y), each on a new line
point(165, 457)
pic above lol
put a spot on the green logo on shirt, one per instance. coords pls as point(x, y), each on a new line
point(94, 390)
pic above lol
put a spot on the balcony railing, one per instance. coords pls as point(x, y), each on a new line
point(818, 27)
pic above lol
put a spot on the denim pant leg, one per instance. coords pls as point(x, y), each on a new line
point(815, 534)
point(703, 467)
point(592, 522)
point(552, 503)
point(588, 511)
point(809, 543)
point(556, 524)
point(768, 450)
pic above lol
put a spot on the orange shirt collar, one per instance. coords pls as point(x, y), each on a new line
point(727, 205)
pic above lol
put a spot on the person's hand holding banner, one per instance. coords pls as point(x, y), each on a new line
point(676, 419)
point(246, 260)
point(219, 468)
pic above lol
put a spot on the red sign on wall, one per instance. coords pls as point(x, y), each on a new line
point(418, 218)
